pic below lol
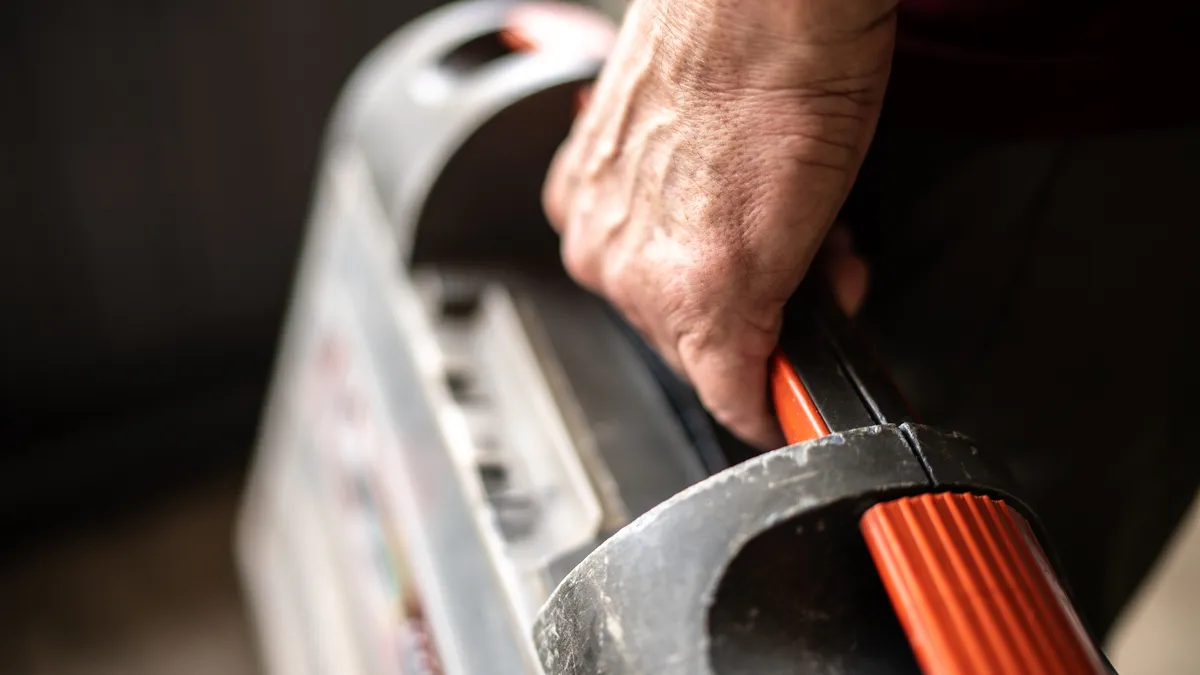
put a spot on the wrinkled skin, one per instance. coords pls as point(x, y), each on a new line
point(701, 179)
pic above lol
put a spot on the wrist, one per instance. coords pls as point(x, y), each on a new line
point(809, 21)
point(769, 43)
point(840, 21)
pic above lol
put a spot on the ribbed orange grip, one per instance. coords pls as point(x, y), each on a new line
point(973, 589)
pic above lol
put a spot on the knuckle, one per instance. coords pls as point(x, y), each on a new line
point(728, 416)
point(693, 340)
point(621, 286)
point(552, 206)
point(554, 200)
point(579, 260)
point(694, 303)
point(560, 185)
point(735, 413)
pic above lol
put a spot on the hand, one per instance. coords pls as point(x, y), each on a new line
point(715, 152)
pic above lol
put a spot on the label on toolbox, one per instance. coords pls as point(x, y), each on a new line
point(349, 442)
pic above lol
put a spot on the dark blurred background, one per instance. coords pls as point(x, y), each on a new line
point(156, 160)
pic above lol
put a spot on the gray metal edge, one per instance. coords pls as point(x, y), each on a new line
point(408, 138)
point(633, 612)
point(466, 603)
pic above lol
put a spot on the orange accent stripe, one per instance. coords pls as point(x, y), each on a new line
point(540, 26)
point(973, 589)
point(798, 415)
point(517, 40)
point(558, 26)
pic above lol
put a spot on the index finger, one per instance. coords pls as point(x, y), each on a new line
point(732, 385)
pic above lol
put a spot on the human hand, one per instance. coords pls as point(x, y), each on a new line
point(714, 154)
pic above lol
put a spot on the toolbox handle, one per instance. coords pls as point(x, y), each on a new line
point(970, 585)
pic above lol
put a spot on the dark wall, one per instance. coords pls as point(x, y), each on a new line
point(156, 160)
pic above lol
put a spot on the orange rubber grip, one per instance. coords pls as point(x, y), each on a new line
point(798, 415)
point(970, 585)
point(974, 590)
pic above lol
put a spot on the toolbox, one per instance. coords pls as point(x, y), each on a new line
point(468, 465)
